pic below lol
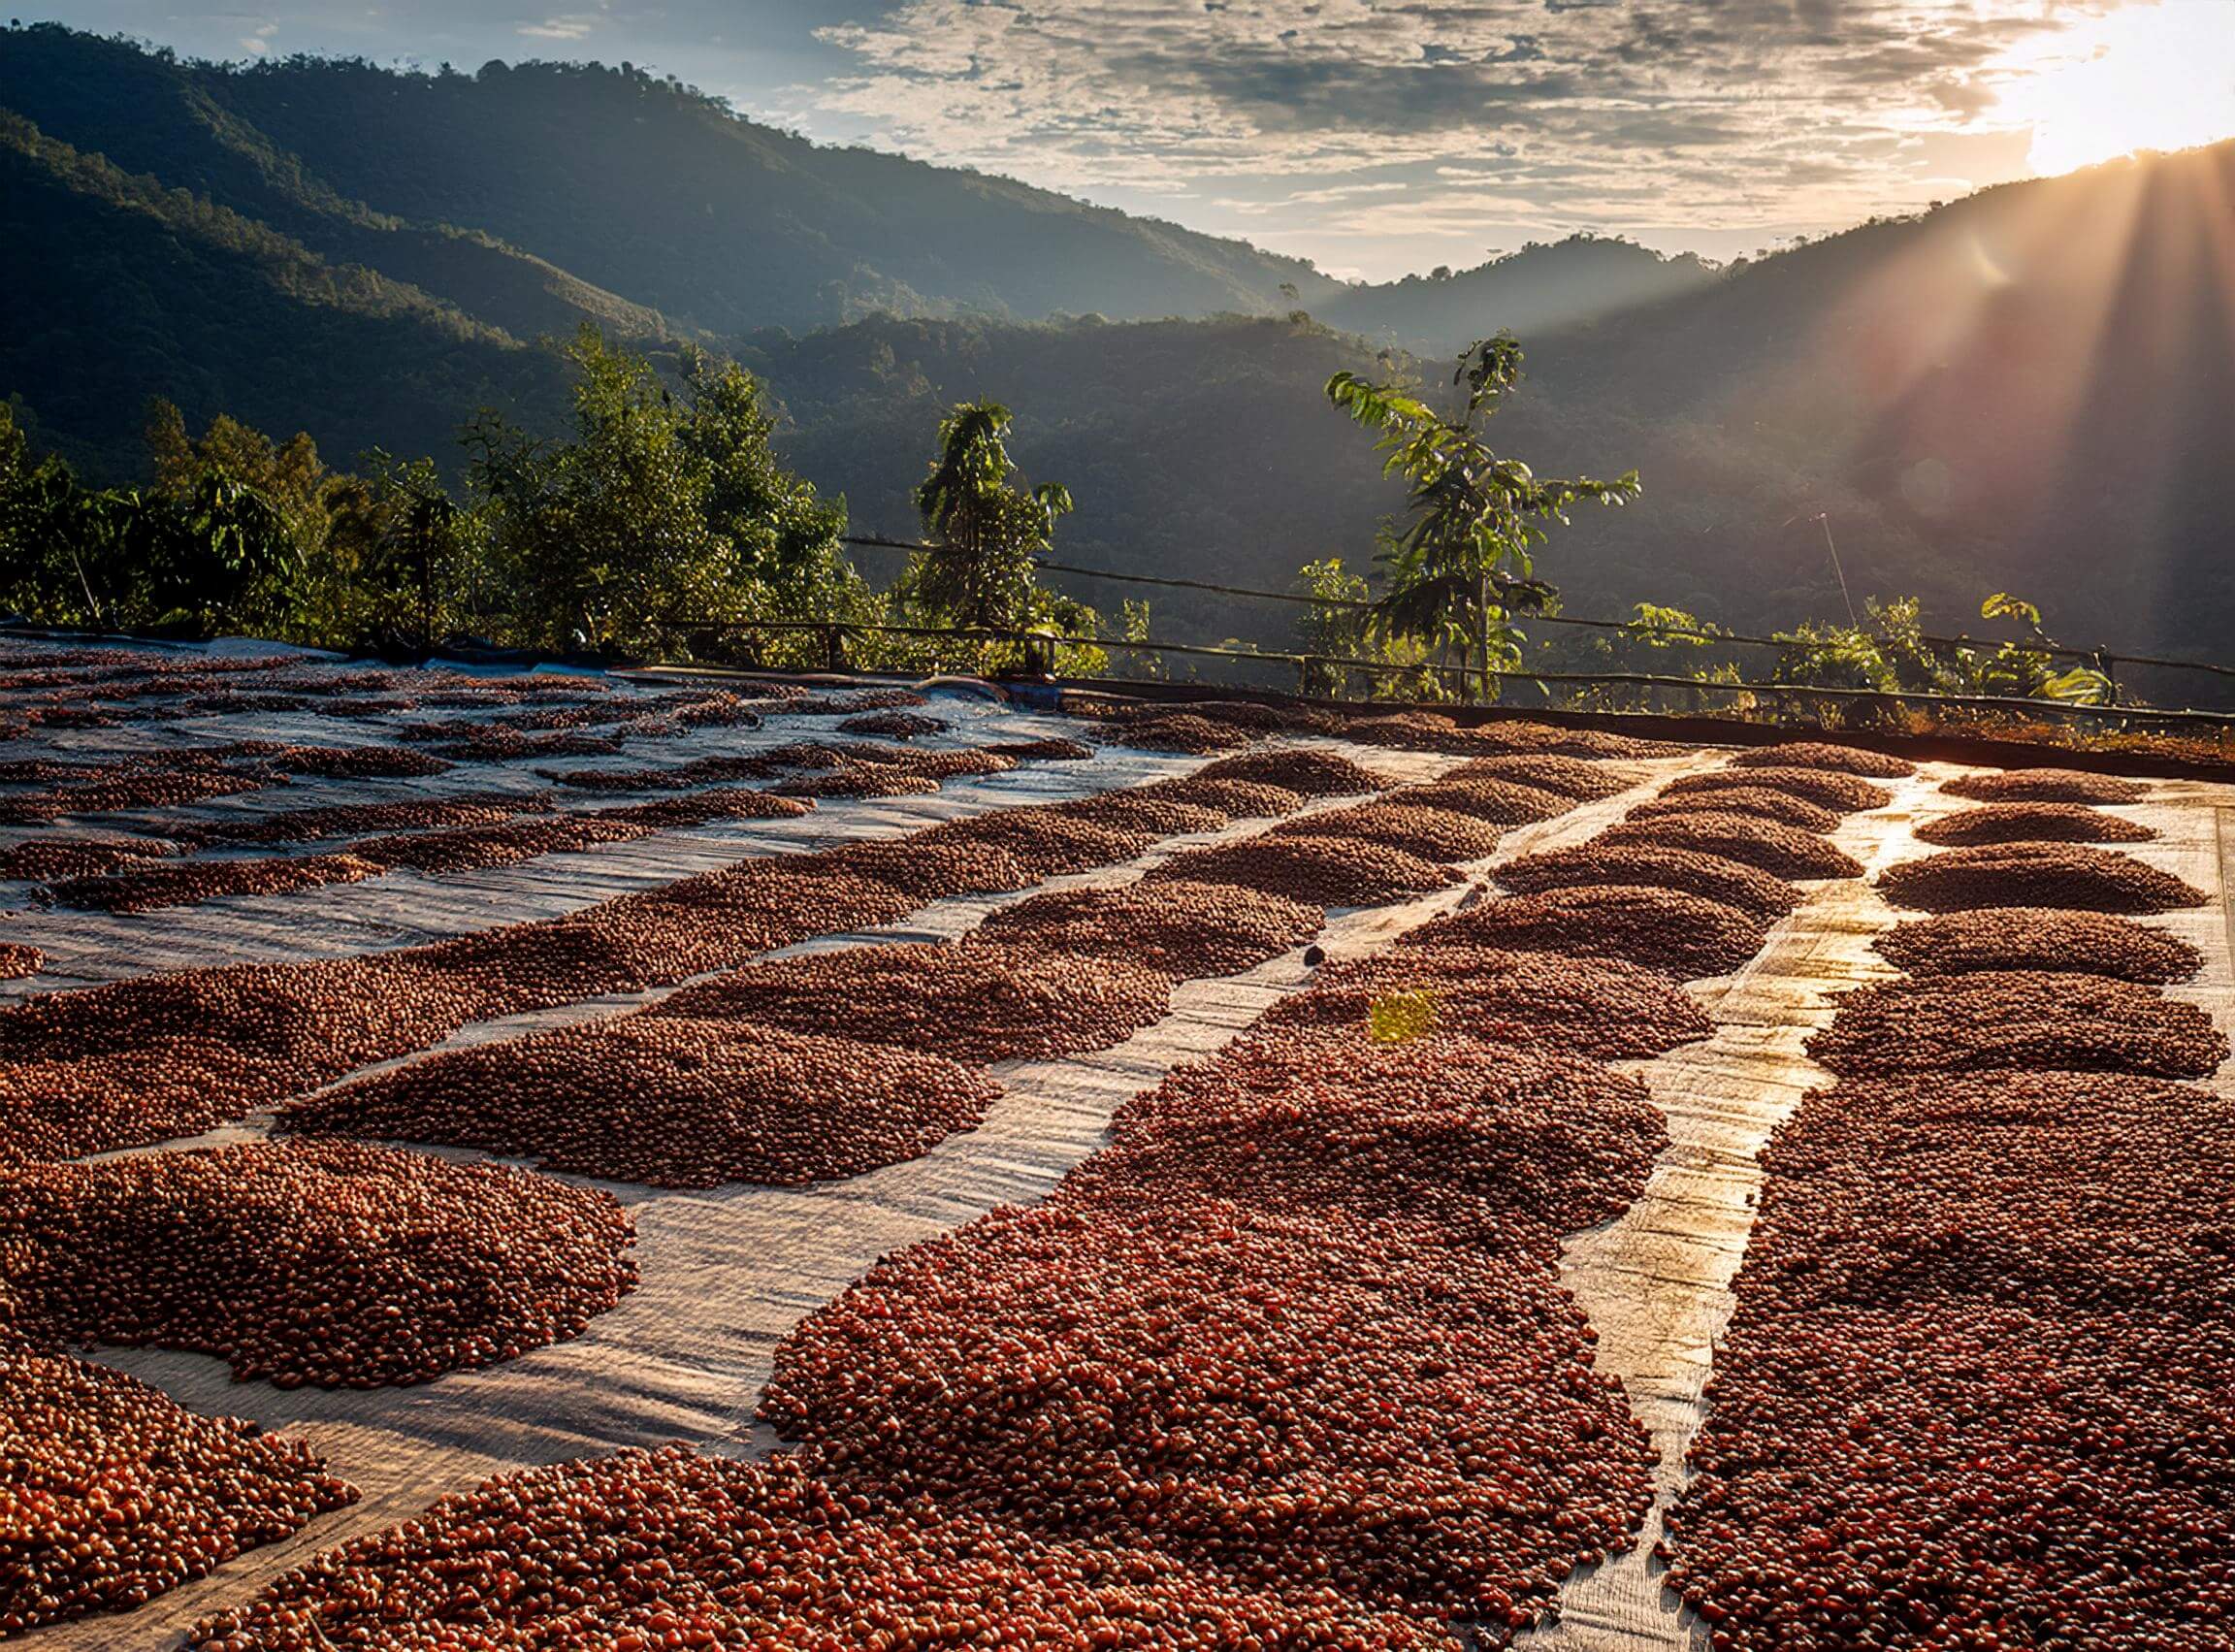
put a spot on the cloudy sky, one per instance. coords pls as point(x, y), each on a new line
point(1381, 136)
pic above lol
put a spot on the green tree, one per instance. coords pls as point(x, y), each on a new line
point(147, 561)
point(288, 475)
point(661, 514)
point(234, 482)
point(1465, 561)
point(2081, 685)
point(1342, 627)
point(1335, 628)
point(401, 554)
point(987, 530)
point(1134, 625)
point(1890, 653)
point(41, 571)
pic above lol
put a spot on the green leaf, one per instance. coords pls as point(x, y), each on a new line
point(2083, 685)
point(2002, 605)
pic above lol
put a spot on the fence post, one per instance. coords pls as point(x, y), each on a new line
point(834, 648)
point(2107, 662)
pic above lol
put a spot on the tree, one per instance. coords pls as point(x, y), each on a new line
point(1340, 626)
point(1334, 627)
point(400, 553)
point(288, 475)
point(148, 561)
point(236, 483)
point(1892, 654)
point(2082, 684)
point(664, 513)
point(987, 531)
point(40, 570)
point(785, 538)
point(1465, 561)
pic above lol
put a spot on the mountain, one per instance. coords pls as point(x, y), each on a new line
point(148, 116)
point(1545, 285)
point(2030, 390)
point(625, 182)
point(120, 289)
point(1203, 448)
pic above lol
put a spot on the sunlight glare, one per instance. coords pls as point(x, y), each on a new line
point(2147, 77)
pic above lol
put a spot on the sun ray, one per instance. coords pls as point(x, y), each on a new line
point(2155, 75)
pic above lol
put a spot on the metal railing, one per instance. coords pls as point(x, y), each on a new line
point(1036, 657)
point(2102, 658)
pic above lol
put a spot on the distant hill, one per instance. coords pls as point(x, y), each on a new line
point(2033, 389)
point(1201, 448)
point(629, 183)
point(150, 116)
point(120, 290)
point(2029, 390)
point(1545, 285)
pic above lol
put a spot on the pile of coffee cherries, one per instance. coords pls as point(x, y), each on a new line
point(668, 1101)
point(1602, 1007)
point(1687, 936)
point(163, 884)
point(1177, 731)
point(640, 1551)
point(2032, 822)
point(2035, 874)
point(1991, 1019)
point(1326, 871)
point(1782, 850)
point(1828, 789)
point(2039, 938)
point(1401, 822)
point(332, 1263)
point(2045, 785)
point(1975, 1391)
point(1187, 932)
point(1769, 805)
point(1759, 894)
point(114, 1493)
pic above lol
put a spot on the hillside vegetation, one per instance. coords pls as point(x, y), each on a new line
point(629, 183)
point(1543, 286)
point(122, 289)
point(2030, 390)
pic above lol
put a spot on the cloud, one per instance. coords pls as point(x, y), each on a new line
point(1712, 123)
point(569, 27)
point(1308, 197)
point(1741, 111)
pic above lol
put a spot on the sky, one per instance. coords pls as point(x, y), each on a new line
point(1378, 137)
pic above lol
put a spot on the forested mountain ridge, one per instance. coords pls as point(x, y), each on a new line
point(151, 116)
point(121, 290)
point(628, 183)
point(2031, 389)
point(1541, 287)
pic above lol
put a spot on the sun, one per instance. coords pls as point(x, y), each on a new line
point(2149, 75)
